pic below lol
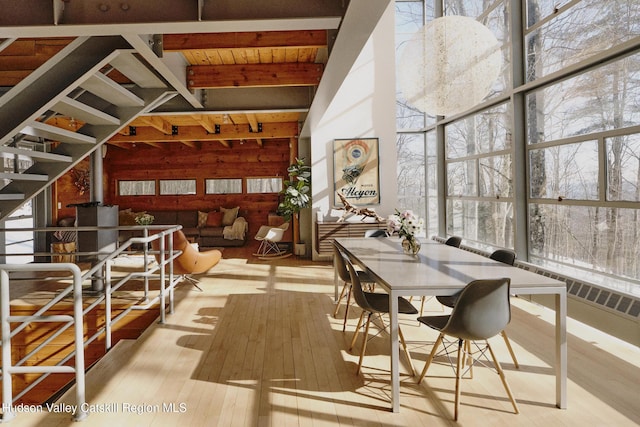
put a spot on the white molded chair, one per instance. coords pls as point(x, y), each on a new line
point(269, 237)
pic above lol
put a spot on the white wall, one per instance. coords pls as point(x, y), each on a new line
point(363, 106)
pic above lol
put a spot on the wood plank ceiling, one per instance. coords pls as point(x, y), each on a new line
point(215, 64)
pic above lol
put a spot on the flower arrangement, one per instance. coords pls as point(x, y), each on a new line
point(144, 219)
point(406, 224)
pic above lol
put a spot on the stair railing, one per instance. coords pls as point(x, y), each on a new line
point(165, 257)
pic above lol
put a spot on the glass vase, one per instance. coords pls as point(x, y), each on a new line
point(410, 246)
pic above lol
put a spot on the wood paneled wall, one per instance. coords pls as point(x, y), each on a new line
point(209, 160)
point(65, 192)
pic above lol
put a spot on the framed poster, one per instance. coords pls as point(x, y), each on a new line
point(356, 174)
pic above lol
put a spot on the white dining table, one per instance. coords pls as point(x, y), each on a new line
point(439, 269)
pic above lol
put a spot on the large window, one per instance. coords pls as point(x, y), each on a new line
point(559, 37)
point(410, 16)
point(412, 193)
point(560, 139)
point(480, 177)
point(584, 181)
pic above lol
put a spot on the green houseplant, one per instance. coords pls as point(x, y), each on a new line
point(296, 195)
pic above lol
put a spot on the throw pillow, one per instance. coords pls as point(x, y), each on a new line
point(214, 219)
point(126, 217)
point(202, 219)
point(229, 215)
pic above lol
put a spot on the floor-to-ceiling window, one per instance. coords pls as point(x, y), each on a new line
point(583, 139)
point(563, 118)
point(479, 177)
point(417, 180)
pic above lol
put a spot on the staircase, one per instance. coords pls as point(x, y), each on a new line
point(75, 84)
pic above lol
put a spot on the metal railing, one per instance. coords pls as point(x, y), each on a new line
point(162, 269)
point(8, 369)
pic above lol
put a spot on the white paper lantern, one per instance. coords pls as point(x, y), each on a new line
point(449, 65)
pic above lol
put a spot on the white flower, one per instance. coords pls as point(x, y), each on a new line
point(144, 219)
point(405, 223)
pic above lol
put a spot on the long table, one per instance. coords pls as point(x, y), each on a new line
point(439, 269)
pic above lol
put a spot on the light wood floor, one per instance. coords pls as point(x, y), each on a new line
point(259, 347)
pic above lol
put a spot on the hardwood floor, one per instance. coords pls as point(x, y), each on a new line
point(260, 347)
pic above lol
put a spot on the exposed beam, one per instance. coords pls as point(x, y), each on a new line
point(253, 75)
point(123, 145)
point(158, 123)
point(294, 98)
point(198, 133)
point(142, 13)
point(206, 121)
point(199, 26)
point(191, 144)
point(238, 40)
point(253, 122)
point(154, 144)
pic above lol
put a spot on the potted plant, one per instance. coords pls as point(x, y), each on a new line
point(296, 195)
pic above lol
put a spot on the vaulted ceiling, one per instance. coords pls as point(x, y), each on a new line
point(243, 70)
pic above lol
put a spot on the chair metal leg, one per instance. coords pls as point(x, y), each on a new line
point(193, 281)
point(503, 378)
point(511, 352)
point(434, 350)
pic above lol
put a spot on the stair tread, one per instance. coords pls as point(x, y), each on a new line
point(40, 155)
point(83, 112)
point(43, 130)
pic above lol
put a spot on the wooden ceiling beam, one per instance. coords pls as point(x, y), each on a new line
point(253, 122)
point(198, 133)
point(206, 121)
point(123, 145)
point(153, 144)
point(272, 39)
point(253, 75)
point(191, 144)
point(158, 123)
